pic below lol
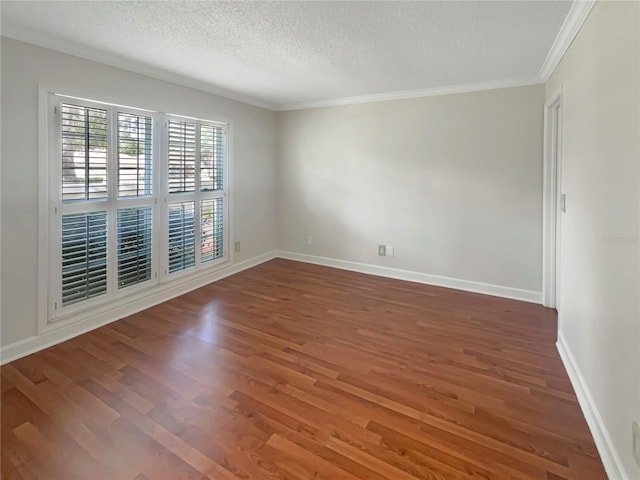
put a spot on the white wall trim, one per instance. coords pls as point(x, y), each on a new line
point(44, 179)
point(162, 293)
point(50, 42)
point(158, 295)
point(407, 94)
point(610, 458)
point(418, 277)
point(577, 15)
point(552, 164)
point(113, 60)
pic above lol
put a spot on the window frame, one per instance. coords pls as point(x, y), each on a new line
point(51, 314)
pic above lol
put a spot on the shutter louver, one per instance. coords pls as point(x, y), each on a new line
point(182, 240)
point(84, 153)
point(211, 157)
point(134, 246)
point(182, 156)
point(84, 256)
point(212, 221)
point(134, 155)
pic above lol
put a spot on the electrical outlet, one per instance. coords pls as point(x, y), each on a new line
point(388, 250)
point(636, 441)
point(236, 247)
point(309, 240)
point(382, 250)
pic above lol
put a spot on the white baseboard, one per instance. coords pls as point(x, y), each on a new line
point(411, 276)
point(610, 458)
point(47, 339)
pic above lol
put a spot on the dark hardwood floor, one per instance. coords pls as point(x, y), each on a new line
point(295, 371)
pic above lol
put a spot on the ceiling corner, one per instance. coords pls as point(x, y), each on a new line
point(574, 20)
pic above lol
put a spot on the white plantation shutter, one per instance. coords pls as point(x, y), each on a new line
point(105, 203)
point(182, 239)
point(211, 157)
point(131, 207)
point(212, 221)
point(84, 256)
point(84, 153)
point(134, 246)
point(196, 188)
point(182, 156)
point(134, 155)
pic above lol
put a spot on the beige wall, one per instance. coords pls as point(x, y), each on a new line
point(600, 290)
point(23, 67)
point(453, 183)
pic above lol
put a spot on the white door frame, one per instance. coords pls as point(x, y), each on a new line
point(552, 182)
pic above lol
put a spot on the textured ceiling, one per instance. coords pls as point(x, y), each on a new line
point(283, 53)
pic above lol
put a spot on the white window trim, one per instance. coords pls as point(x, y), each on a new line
point(138, 295)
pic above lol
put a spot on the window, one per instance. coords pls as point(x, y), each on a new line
point(195, 194)
point(139, 199)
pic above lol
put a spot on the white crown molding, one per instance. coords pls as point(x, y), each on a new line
point(574, 20)
point(407, 94)
point(34, 37)
point(578, 13)
point(77, 50)
point(418, 277)
point(49, 338)
point(610, 459)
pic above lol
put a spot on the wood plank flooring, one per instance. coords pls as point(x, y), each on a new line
point(295, 371)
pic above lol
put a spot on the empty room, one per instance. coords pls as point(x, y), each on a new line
point(320, 240)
